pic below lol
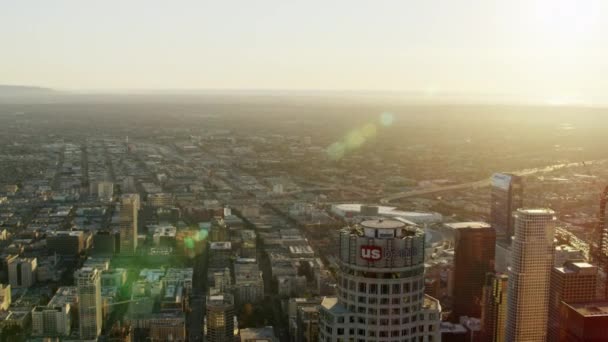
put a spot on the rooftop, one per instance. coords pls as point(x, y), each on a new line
point(331, 304)
point(472, 225)
point(258, 334)
point(577, 267)
point(431, 303)
point(537, 211)
point(590, 308)
point(221, 245)
point(382, 224)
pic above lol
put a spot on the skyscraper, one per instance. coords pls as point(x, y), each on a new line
point(494, 308)
point(507, 196)
point(220, 318)
point(574, 282)
point(380, 287)
point(473, 257)
point(129, 208)
point(88, 283)
point(529, 275)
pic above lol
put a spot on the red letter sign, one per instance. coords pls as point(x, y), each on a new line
point(371, 253)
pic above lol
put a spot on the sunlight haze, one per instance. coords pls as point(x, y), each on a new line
point(553, 51)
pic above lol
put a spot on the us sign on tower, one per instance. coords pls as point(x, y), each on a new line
point(371, 253)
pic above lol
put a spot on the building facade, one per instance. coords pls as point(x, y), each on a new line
point(5, 296)
point(88, 283)
point(507, 197)
point(529, 275)
point(584, 322)
point(380, 287)
point(67, 243)
point(51, 321)
point(22, 271)
point(474, 249)
point(307, 323)
point(248, 282)
point(574, 282)
point(494, 307)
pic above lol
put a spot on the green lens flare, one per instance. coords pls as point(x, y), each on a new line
point(386, 119)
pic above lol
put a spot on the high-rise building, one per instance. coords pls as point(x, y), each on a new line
point(380, 286)
point(129, 208)
point(474, 248)
point(494, 308)
point(507, 196)
point(220, 318)
point(88, 283)
point(220, 255)
point(51, 321)
point(574, 282)
point(584, 322)
point(22, 271)
point(529, 275)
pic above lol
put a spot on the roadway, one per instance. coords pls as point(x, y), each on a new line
point(484, 182)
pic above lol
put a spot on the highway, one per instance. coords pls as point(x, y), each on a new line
point(484, 182)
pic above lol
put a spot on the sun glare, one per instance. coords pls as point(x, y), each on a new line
point(565, 21)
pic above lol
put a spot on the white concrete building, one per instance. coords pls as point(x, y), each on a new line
point(380, 287)
point(530, 274)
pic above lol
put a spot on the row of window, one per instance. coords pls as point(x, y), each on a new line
point(381, 333)
point(373, 288)
point(428, 338)
point(417, 271)
point(381, 321)
point(350, 298)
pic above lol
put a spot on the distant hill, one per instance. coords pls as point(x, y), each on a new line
point(15, 90)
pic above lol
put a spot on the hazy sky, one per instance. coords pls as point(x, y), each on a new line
point(553, 49)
